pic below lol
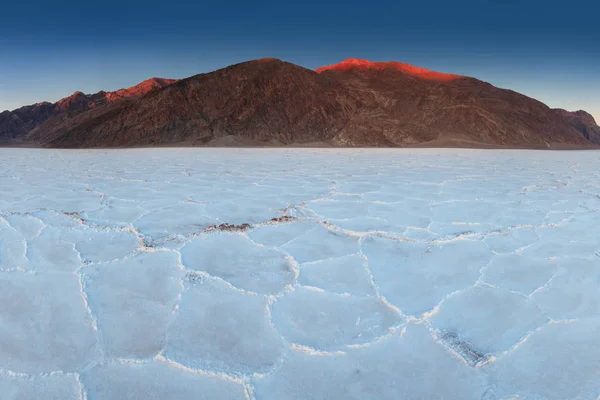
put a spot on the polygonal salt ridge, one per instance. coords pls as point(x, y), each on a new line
point(172, 242)
point(339, 321)
point(57, 245)
point(568, 371)
point(401, 197)
point(322, 242)
point(176, 240)
point(573, 292)
point(350, 187)
point(137, 294)
point(590, 205)
point(400, 366)
point(117, 212)
point(335, 194)
point(460, 322)
point(359, 226)
point(158, 379)
point(558, 241)
point(69, 220)
point(51, 331)
point(300, 211)
point(448, 231)
point(405, 213)
point(518, 273)
point(277, 234)
point(247, 210)
point(336, 209)
point(148, 241)
point(28, 225)
point(492, 233)
point(511, 240)
point(13, 249)
point(463, 350)
point(346, 274)
point(96, 246)
point(430, 271)
point(241, 262)
point(238, 337)
point(181, 219)
point(226, 227)
point(52, 251)
point(52, 386)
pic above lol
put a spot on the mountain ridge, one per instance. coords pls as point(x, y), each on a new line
point(19, 122)
point(272, 102)
point(356, 63)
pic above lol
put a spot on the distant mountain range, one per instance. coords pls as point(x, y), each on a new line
point(271, 102)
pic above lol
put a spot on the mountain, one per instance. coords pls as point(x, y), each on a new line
point(409, 105)
point(261, 101)
point(417, 72)
point(271, 102)
point(18, 123)
point(583, 122)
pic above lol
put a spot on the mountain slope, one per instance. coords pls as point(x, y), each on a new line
point(354, 103)
point(17, 123)
point(412, 105)
point(583, 122)
point(264, 100)
point(352, 64)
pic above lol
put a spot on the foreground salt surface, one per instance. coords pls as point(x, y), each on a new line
point(398, 274)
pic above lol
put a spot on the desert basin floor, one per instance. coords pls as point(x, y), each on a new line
point(275, 274)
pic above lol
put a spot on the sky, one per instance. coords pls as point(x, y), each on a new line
point(545, 49)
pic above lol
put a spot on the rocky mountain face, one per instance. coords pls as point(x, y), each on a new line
point(18, 123)
point(583, 122)
point(271, 102)
point(353, 64)
point(409, 105)
point(262, 101)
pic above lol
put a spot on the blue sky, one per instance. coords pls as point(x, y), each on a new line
point(547, 50)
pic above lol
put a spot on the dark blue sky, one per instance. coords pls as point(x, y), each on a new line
point(548, 50)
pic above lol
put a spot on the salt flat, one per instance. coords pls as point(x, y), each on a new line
point(299, 274)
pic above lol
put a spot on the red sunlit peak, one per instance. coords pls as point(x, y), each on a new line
point(139, 89)
point(422, 73)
